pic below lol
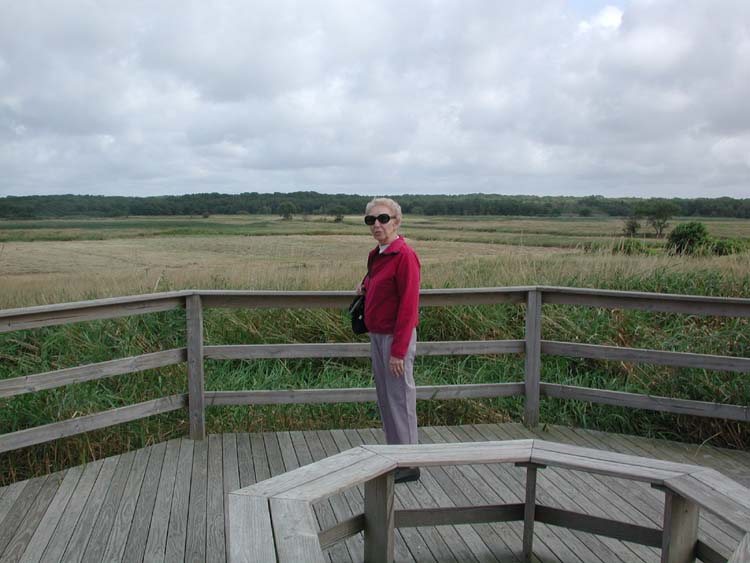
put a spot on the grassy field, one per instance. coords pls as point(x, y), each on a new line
point(54, 261)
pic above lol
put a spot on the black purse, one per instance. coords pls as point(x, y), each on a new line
point(357, 314)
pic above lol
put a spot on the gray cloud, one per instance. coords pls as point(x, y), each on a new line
point(641, 98)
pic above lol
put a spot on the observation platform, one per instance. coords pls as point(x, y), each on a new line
point(167, 502)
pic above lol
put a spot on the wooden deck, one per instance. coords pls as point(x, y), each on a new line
point(166, 502)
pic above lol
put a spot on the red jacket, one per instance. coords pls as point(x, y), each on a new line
point(392, 294)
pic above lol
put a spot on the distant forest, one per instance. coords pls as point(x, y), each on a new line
point(313, 203)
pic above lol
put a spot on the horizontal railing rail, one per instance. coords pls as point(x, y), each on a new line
point(194, 354)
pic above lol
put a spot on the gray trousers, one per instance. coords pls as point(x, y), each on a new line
point(397, 396)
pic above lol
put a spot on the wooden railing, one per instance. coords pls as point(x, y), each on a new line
point(195, 352)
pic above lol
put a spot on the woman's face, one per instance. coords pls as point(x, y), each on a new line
point(384, 233)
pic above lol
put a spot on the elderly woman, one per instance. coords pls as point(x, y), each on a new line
point(392, 297)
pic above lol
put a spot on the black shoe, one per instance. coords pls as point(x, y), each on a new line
point(406, 474)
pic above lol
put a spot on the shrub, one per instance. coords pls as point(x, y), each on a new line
point(727, 246)
point(688, 238)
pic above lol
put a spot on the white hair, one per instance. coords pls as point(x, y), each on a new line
point(387, 202)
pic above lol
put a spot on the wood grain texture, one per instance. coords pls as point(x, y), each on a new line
point(52, 516)
point(742, 553)
point(648, 402)
point(66, 313)
point(250, 530)
point(379, 519)
point(90, 372)
point(295, 531)
point(680, 529)
point(358, 394)
point(358, 350)
point(48, 432)
point(532, 358)
point(196, 383)
point(646, 356)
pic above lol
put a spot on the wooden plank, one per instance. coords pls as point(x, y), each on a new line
point(195, 549)
point(642, 355)
point(601, 526)
point(654, 476)
point(53, 514)
point(379, 519)
point(90, 372)
point(12, 492)
point(724, 486)
point(338, 507)
point(178, 516)
point(680, 529)
point(156, 544)
point(85, 526)
point(358, 350)
point(513, 451)
point(742, 553)
point(59, 540)
point(329, 537)
point(302, 475)
point(196, 383)
point(339, 479)
point(245, 461)
point(110, 308)
point(358, 394)
point(636, 400)
point(49, 432)
point(532, 358)
point(663, 302)
point(124, 517)
point(459, 515)
point(97, 544)
point(724, 507)
point(26, 529)
point(231, 472)
point(587, 455)
point(260, 459)
point(339, 299)
point(19, 509)
point(295, 532)
point(250, 532)
point(529, 509)
point(215, 540)
point(337, 550)
point(144, 509)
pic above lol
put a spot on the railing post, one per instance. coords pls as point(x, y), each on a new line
point(680, 529)
point(379, 519)
point(196, 391)
point(529, 512)
point(533, 356)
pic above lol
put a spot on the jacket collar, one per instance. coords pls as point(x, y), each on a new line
point(393, 248)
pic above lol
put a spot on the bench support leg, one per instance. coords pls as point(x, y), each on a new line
point(379, 519)
point(528, 512)
point(680, 529)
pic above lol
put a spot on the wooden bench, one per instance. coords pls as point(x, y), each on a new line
point(274, 520)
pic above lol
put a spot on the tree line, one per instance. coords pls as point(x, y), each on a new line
point(313, 203)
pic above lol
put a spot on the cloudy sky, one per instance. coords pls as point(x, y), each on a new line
point(622, 98)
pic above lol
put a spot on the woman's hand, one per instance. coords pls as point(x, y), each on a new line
point(360, 289)
point(397, 366)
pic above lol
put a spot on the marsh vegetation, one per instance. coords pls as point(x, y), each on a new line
point(65, 260)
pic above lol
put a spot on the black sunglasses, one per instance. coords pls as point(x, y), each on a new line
point(383, 218)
